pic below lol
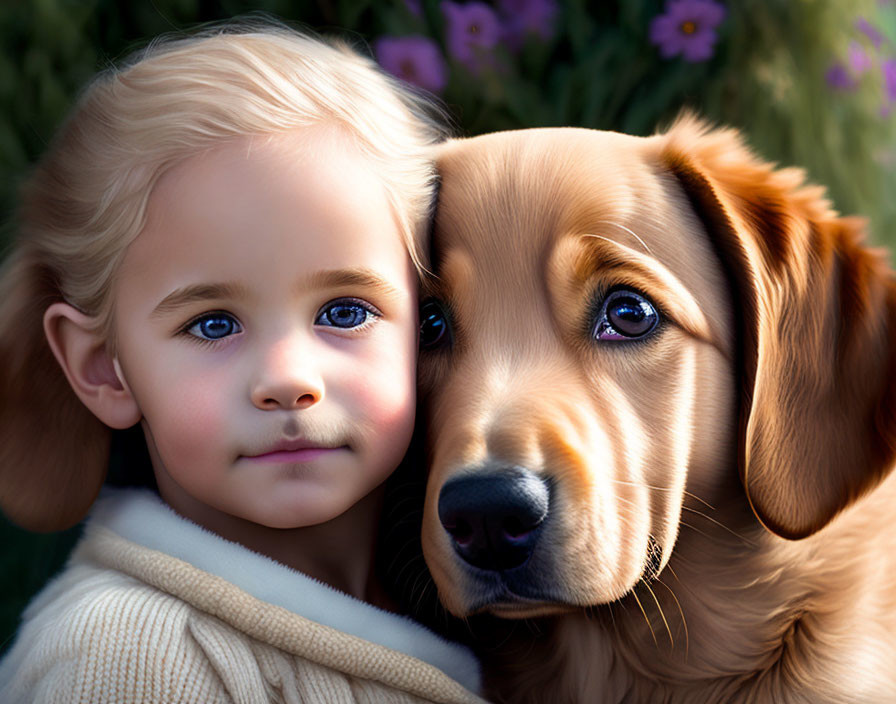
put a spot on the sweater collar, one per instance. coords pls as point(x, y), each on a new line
point(140, 516)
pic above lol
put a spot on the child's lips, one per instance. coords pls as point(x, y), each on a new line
point(294, 451)
point(305, 454)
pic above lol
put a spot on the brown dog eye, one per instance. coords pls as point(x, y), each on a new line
point(433, 326)
point(625, 315)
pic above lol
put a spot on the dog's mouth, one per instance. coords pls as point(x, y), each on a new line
point(500, 526)
point(510, 610)
point(501, 601)
point(522, 592)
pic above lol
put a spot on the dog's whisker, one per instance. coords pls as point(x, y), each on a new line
point(627, 502)
point(596, 612)
point(599, 237)
point(682, 584)
point(625, 229)
point(684, 621)
point(646, 617)
point(438, 610)
point(407, 567)
point(721, 525)
point(685, 524)
point(660, 609)
point(421, 600)
point(665, 488)
point(702, 501)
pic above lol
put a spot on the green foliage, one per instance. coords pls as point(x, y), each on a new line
point(599, 69)
point(767, 78)
point(27, 561)
point(774, 90)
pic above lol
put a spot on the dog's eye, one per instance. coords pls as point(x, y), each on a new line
point(625, 315)
point(433, 326)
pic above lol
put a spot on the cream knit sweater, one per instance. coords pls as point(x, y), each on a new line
point(153, 608)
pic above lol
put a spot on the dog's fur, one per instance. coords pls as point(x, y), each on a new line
point(721, 521)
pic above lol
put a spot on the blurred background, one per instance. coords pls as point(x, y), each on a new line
point(811, 83)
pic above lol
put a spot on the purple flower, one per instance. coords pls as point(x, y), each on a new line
point(687, 28)
point(860, 61)
point(525, 18)
point(888, 68)
point(414, 7)
point(414, 59)
point(838, 77)
point(870, 31)
point(472, 31)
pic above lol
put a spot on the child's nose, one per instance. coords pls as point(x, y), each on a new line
point(290, 379)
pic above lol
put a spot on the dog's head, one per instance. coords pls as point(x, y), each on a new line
point(619, 326)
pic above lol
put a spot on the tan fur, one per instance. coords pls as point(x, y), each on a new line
point(747, 441)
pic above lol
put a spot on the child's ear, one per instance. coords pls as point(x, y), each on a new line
point(90, 369)
point(54, 453)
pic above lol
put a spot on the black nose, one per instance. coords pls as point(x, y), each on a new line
point(493, 519)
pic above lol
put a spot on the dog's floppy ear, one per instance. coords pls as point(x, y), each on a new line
point(817, 326)
point(54, 453)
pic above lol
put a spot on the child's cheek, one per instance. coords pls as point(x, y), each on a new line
point(385, 397)
point(190, 425)
point(388, 409)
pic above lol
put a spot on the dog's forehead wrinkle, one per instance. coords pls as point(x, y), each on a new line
point(639, 240)
point(631, 201)
point(593, 174)
point(511, 313)
point(683, 278)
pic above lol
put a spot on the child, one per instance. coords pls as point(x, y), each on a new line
point(221, 245)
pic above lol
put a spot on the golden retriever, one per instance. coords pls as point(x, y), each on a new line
point(658, 376)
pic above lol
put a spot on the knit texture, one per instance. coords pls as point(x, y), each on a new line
point(126, 623)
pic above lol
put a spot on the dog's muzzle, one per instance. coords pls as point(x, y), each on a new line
point(494, 518)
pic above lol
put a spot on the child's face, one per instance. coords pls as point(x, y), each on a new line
point(266, 321)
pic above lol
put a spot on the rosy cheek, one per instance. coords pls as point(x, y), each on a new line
point(190, 425)
point(386, 396)
point(390, 413)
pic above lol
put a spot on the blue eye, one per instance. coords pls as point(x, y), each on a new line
point(214, 326)
point(344, 314)
point(625, 315)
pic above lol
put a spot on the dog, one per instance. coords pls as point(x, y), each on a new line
point(658, 381)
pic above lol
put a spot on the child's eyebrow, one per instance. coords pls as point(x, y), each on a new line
point(328, 278)
point(196, 293)
point(354, 277)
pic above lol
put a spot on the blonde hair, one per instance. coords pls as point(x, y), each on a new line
point(86, 200)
